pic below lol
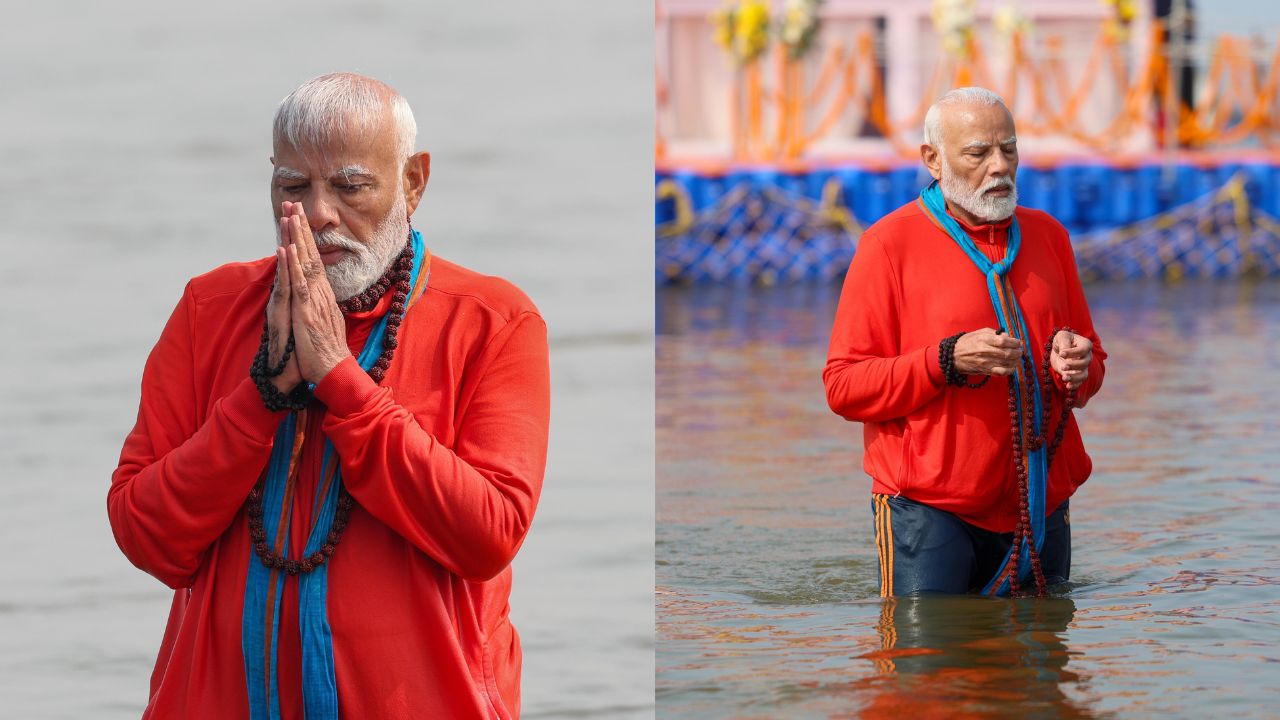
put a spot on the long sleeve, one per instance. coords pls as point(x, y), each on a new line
point(469, 506)
point(867, 377)
point(1081, 322)
point(183, 477)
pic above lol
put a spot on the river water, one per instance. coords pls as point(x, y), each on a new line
point(135, 139)
point(768, 603)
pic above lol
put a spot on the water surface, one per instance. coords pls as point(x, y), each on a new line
point(767, 576)
point(136, 139)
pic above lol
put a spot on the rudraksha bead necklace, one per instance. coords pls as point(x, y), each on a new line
point(1025, 440)
point(261, 375)
point(397, 277)
point(276, 561)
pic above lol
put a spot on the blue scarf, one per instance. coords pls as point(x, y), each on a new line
point(264, 588)
point(1009, 315)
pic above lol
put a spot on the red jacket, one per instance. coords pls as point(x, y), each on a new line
point(444, 460)
point(909, 286)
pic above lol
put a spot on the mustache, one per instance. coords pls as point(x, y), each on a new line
point(333, 238)
point(1003, 182)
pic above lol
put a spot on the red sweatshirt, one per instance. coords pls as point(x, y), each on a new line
point(444, 460)
point(909, 286)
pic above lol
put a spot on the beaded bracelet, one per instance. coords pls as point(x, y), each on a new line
point(947, 360)
point(296, 399)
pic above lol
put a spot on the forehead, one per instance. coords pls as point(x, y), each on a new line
point(346, 145)
point(970, 121)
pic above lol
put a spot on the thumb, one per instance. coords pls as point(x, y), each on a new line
point(1063, 341)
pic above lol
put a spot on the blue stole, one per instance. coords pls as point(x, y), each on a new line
point(1009, 315)
point(264, 588)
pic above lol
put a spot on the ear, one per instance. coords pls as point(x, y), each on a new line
point(932, 160)
point(417, 169)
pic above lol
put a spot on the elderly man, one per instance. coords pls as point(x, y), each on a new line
point(971, 476)
point(339, 449)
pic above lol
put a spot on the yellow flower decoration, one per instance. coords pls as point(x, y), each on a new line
point(799, 26)
point(751, 32)
point(742, 29)
point(1122, 13)
point(953, 19)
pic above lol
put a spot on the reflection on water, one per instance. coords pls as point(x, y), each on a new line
point(767, 575)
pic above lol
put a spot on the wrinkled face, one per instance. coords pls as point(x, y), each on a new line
point(979, 161)
point(352, 190)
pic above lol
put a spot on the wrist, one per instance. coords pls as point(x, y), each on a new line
point(327, 362)
point(952, 374)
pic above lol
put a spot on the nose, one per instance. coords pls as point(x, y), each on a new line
point(999, 165)
point(322, 212)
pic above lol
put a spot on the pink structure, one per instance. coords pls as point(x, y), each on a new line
point(893, 45)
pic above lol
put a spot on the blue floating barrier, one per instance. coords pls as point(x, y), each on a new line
point(704, 190)
point(1271, 191)
point(1192, 184)
point(1149, 195)
point(1036, 187)
point(1065, 202)
point(905, 185)
point(1093, 206)
point(763, 178)
point(816, 182)
point(664, 210)
point(875, 196)
point(1260, 185)
point(1119, 192)
point(851, 181)
point(774, 233)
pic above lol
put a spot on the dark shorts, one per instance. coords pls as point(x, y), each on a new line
point(924, 550)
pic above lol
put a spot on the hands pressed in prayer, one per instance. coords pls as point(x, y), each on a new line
point(319, 331)
point(987, 352)
point(1070, 357)
point(279, 322)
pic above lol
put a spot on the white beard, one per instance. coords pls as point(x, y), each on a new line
point(365, 263)
point(975, 201)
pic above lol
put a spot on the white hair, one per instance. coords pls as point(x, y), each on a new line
point(324, 106)
point(959, 96)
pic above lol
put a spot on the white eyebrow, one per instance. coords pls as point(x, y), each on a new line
point(288, 173)
point(350, 170)
point(982, 145)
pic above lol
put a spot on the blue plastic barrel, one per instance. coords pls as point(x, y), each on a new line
point(905, 184)
point(816, 182)
point(1035, 188)
point(851, 181)
point(1149, 195)
point(1120, 190)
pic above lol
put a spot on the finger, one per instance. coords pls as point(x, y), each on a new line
point(1063, 340)
point(282, 275)
point(297, 278)
point(286, 231)
point(302, 233)
point(309, 256)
